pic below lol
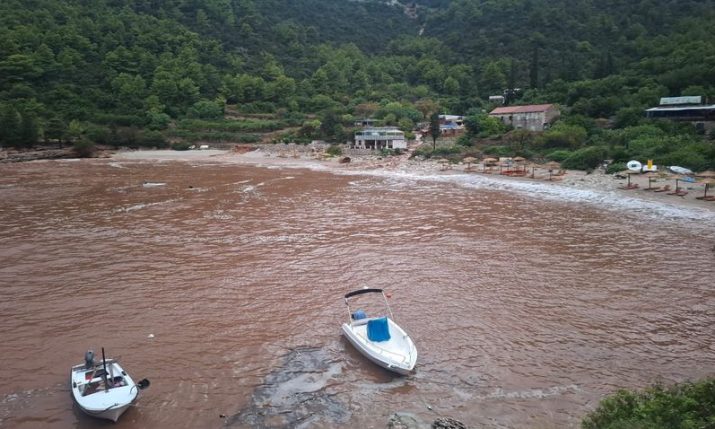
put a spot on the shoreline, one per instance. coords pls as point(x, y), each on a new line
point(597, 181)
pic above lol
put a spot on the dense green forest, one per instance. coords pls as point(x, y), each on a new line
point(130, 72)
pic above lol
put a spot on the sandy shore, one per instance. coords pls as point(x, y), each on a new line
point(597, 181)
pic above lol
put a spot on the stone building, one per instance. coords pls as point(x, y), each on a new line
point(534, 117)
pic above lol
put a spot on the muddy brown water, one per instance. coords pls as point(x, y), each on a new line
point(223, 285)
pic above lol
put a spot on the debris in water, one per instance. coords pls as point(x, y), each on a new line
point(448, 423)
point(296, 395)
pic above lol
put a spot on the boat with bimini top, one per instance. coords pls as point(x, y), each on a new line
point(380, 339)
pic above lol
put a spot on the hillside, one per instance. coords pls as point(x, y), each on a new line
point(79, 68)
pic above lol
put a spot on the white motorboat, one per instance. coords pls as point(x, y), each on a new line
point(380, 339)
point(103, 390)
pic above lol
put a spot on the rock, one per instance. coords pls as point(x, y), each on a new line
point(448, 423)
point(345, 160)
point(404, 421)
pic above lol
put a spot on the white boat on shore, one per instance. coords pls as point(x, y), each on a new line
point(103, 390)
point(380, 339)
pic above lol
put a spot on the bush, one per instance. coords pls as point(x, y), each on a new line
point(683, 406)
point(181, 146)
point(98, 134)
point(83, 148)
point(441, 151)
point(615, 167)
point(498, 151)
point(153, 139)
point(586, 158)
point(206, 110)
point(334, 150)
point(558, 155)
point(564, 136)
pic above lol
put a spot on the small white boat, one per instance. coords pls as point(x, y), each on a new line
point(380, 339)
point(103, 390)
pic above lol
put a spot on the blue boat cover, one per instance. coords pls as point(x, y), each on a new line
point(378, 329)
point(359, 314)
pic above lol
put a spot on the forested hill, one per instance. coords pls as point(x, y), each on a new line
point(670, 41)
point(145, 63)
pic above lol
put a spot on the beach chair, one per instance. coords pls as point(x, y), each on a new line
point(665, 188)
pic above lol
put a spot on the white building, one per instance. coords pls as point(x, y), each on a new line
point(377, 138)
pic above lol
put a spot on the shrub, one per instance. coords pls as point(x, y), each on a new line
point(206, 110)
point(83, 148)
point(334, 150)
point(691, 156)
point(98, 134)
point(558, 155)
point(499, 151)
point(683, 406)
point(181, 146)
point(564, 136)
point(586, 158)
point(615, 167)
point(152, 139)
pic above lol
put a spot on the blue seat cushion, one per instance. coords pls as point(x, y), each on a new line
point(378, 329)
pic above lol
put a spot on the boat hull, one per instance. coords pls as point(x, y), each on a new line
point(105, 397)
point(399, 357)
point(112, 414)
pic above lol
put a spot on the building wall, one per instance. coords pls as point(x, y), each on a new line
point(532, 121)
point(380, 144)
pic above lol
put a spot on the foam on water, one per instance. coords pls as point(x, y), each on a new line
point(605, 199)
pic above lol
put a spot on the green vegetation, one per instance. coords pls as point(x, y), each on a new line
point(207, 70)
point(683, 406)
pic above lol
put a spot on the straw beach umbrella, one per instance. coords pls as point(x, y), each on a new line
point(708, 182)
point(489, 162)
point(442, 163)
point(628, 175)
point(677, 178)
point(651, 177)
point(709, 174)
point(469, 160)
point(551, 166)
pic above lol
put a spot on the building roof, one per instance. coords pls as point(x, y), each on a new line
point(532, 108)
point(450, 117)
point(450, 126)
point(670, 101)
point(681, 108)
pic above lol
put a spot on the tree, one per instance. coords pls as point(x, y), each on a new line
point(426, 106)
point(330, 124)
point(534, 68)
point(434, 130)
point(9, 126)
point(55, 130)
point(29, 130)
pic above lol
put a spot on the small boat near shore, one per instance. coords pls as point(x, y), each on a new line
point(103, 390)
point(380, 339)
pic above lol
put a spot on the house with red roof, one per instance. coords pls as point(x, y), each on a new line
point(533, 117)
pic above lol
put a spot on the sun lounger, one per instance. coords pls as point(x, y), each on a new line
point(665, 188)
point(631, 186)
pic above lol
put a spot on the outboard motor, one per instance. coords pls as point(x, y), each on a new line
point(89, 359)
point(143, 383)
